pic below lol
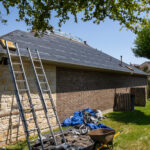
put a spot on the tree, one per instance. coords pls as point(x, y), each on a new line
point(145, 69)
point(142, 43)
point(37, 13)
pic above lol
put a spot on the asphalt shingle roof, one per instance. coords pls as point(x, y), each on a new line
point(59, 49)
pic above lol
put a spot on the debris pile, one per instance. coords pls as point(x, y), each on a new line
point(85, 120)
point(77, 135)
point(73, 142)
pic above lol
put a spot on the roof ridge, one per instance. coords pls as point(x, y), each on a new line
point(69, 39)
point(9, 33)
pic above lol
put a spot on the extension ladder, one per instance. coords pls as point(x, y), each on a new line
point(44, 88)
point(21, 86)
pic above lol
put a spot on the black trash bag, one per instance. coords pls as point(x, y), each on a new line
point(88, 118)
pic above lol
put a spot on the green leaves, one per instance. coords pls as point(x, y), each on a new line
point(37, 13)
point(142, 43)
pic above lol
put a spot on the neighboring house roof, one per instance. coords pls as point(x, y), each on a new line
point(59, 49)
point(145, 64)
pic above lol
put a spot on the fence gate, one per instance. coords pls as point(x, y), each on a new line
point(122, 102)
point(140, 96)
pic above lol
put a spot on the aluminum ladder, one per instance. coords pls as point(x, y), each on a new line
point(38, 67)
point(18, 83)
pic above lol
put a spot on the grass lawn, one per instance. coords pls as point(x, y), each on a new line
point(135, 128)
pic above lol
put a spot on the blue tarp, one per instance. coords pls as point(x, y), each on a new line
point(97, 126)
point(90, 111)
point(77, 119)
point(67, 122)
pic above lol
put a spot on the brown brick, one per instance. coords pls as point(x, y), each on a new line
point(78, 89)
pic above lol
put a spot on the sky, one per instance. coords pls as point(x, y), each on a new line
point(106, 36)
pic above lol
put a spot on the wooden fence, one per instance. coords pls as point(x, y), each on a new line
point(122, 102)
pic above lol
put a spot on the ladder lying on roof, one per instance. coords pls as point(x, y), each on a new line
point(19, 81)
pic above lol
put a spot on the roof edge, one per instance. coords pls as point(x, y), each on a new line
point(62, 64)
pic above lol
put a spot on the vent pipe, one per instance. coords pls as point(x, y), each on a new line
point(120, 60)
point(85, 42)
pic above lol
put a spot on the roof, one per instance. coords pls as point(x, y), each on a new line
point(59, 49)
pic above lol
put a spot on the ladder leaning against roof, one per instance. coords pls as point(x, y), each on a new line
point(18, 83)
point(44, 87)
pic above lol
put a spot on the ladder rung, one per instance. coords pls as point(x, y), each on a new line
point(40, 75)
point(16, 63)
point(30, 109)
point(29, 119)
point(35, 105)
point(18, 72)
point(23, 90)
point(46, 90)
point(20, 80)
point(58, 134)
point(35, 98)
point(47, 99)
point(51, 116)
point(30, 130)
point(13, 54)
point(38, 68)
point(57, 125)
point(31, 99)
point(51, 108)
point(23, 100)
point(36, 60)
point(43, 82)
point(33, 53)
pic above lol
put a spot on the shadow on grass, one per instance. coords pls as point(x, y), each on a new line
point(135, 117)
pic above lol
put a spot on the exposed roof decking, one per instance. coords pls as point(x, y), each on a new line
point(62, 50)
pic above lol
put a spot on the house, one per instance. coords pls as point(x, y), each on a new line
point(146, 68)
point(145, 64)
point(79, 75)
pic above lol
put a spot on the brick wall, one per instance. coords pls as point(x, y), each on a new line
point(11, 128)
point(78, 89)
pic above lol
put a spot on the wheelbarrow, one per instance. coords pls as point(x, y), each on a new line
point(102, 137)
